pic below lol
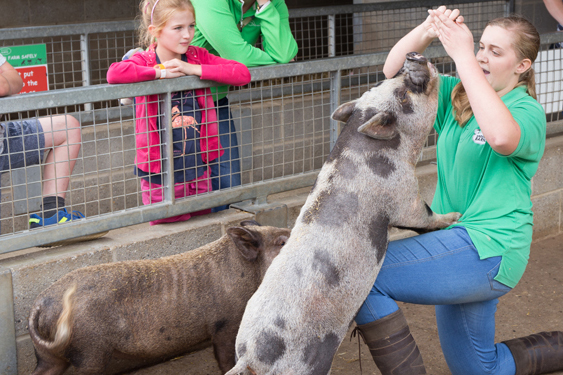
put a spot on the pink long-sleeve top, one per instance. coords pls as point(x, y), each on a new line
point(140, 67)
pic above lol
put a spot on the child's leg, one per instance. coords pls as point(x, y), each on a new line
point(62, 135)
point(225, 171)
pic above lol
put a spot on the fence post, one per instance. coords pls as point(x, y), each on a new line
point(167, 151)
point(8, 359)
point(335, 80)
point(85, 63)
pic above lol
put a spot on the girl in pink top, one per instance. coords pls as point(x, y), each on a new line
point(167, 28)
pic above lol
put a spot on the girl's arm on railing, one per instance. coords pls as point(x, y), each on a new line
point(130, 71)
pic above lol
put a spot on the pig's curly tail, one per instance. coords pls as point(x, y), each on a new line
point(64, 324)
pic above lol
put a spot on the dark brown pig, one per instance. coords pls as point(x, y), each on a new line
point(153, 309)
point(299, 315)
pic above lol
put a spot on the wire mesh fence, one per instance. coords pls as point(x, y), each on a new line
point(283, 135)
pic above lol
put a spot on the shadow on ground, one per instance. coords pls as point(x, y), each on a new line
point(536, 304)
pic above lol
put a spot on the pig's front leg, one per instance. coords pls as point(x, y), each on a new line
point(420, 218)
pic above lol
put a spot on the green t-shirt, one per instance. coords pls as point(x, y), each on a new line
point(218, 29)
point(492, 191)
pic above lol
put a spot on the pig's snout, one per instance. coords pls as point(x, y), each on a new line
point(418, 72)
point(416, 57)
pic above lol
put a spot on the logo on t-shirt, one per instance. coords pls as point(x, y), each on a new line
point(479, 138)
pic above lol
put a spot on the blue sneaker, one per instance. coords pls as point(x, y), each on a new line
point(36, 221)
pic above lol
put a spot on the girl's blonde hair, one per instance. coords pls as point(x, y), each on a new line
point(160, 14)
point(526, 44)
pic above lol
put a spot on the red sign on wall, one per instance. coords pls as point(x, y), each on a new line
point(34, 78)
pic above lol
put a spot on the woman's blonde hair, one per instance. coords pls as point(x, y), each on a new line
point(526, 44)
point(158, 16)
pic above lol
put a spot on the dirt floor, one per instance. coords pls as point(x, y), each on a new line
point(536, 304)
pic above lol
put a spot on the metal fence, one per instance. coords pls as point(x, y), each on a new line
point(283, 128)
point(79, 55)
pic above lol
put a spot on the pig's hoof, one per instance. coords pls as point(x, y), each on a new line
point(451, 218)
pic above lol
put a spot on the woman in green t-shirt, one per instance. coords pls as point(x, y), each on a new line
point(491, 139)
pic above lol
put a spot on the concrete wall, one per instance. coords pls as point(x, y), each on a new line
point(33, 270)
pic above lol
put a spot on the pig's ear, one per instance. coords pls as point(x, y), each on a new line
point(380, 126)
point(246, 241)
point(344, 112)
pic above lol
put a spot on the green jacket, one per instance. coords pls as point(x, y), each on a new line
point(218, 29)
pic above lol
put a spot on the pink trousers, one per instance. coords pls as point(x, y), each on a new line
point(152, 193)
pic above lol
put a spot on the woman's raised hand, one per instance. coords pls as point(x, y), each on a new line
point(455, 36)
point(428, 24)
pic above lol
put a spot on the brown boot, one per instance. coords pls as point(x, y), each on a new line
point(392, 346)
point(540, 353)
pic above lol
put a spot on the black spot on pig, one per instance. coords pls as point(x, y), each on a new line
point(343, 205)
point(242, 275)
point(219, 325)
point(417, 82)
point(241, 350)
point(323, 264)
point(280, 322)
point(392, 143)
point(318, 353)
point(402, 94)
point(162, 329)
point(269, 347)
point(168, 338)
point(378, 84)
point(378, 232)
point(381, 165)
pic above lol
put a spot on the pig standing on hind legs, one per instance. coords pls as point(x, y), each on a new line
point(299, 315)
point(153, 310)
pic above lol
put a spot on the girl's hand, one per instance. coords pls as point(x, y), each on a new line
point(168, 73)
point(453, 33)
point(176, 66)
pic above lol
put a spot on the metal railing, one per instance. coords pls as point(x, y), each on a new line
point(283, 126)
point(80, 54)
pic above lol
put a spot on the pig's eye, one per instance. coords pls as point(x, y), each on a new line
point(281, 241)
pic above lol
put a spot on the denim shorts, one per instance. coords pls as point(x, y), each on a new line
point(24, 144)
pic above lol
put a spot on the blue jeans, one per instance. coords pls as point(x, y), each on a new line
point(225, 173)
point(443, 268)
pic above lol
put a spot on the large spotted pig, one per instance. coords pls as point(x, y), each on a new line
point(153, 310)
point(299, 315)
